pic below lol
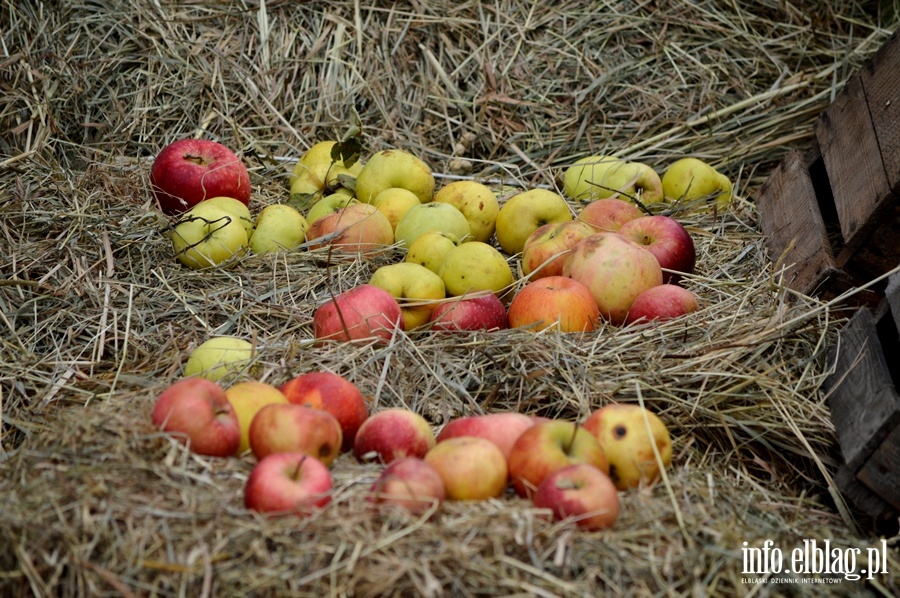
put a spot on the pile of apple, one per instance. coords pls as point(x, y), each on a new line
point(615, 260)
point(297, 431)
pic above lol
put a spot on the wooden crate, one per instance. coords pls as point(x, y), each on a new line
point(862, 393)
point(832, 214)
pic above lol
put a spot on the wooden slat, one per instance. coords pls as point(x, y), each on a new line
point(881, 471)
point(881, 81)
point(861, 497)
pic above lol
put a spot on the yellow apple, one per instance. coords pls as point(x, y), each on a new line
point(394, 203)
point(430, 216)
point(394, 168)
point(328, 205)
point(598, 177)
point(416, 288)
point(524, 213)
point(473, 267)
point(278, 227)
point(696, 183)
point(622, 431)
point(238, 208)
point(477, 203)
point(207, 235)
point(219, 358)
point(247, 398)
point(320, 153)
point(320, 179)
point(578, 177)
point(430, 249)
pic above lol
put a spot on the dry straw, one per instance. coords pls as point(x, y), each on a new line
point(97, 317)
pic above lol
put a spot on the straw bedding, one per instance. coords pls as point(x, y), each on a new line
point(98, 318)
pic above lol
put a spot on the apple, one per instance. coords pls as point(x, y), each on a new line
point(247, 398)
point(394, 168)
point(393, 434)
point(409, 483)
point(431, 216)
point(288, 483)
point(317, 174)
point(470, 312)
point(329, 205)
point(236, 208)
point(416, 288)
point(358, 228)
point(627, 433)
point(477, 203)
point(188, 171)
point(206, 235)
point(525, 212)
point(502, 428)
point(616, 271)
point(198, 413)
point(544, 252)
point(598, 177)
point(667, 240)
point(394, 203)
point(697, 184)
point(609, 214)
point(220, 358)
point(473, 267)
point(278, 227)
point(580, 492)
point(363, 312)
point(555, 302)
point(430, 249)
point(292, 428)
point(548, 446)
point(319, 154)
point(472, 468)
point(332, 393)
point(661, 303)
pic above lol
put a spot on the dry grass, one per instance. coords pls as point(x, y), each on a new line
point(97, 317)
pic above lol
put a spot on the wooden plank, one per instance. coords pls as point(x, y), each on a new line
point(865, 406)
point(881, 471)
point(861, 497)
point(881, 81)
point(794, 229)
point(853, 160)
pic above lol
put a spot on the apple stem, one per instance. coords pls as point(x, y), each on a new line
point(297, 469)
point(572, 439)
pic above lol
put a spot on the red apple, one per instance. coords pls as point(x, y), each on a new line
point(472, 468)
point(545, 249)
point(188, 171)
point(470, 312)
point(290, 428)
point(288, 482)
point(409, 483)
point(548, 446)
point(581, 492)
point(616, 271)
point(357, 228)
point(197, 411)
point(363, 312)
point(502, 428)
point(557, 301)
point(662, 302)
point(333, 393)
point(667, 240)
point(609, 214)
point(393, 434)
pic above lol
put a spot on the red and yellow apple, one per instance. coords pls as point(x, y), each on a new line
point(247, 398)
point(288, 483)
point(667, 240)
point(580, 492)
point(470, 312)
point(525, 212)
point(363, 312)
point(410, 484)
point(291, 428)
point(197, 412)
point(356, 228)
point(472, 468)
point(555, 302)
point(662, 303)
point(332, 393)
point(545, 250)
point(609, 214)
point(502, 428)
point(393, 434)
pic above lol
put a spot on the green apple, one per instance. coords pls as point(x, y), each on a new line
point(430, 216)
point(477, 203)
point(394, 168)
point(473, 267)
point(320, 179)
point(430, 249)
point(696, 183)
point(578, 177)
point(328, 205)
point(238, 208)
point(207, 235)
point(395, 202)
point(278, 227)
point(416, 288)
point(524, 213)
point(219, 358)
point(598, 177)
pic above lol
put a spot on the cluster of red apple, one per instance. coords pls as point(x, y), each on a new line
point(610, 261)
point(297, 431)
